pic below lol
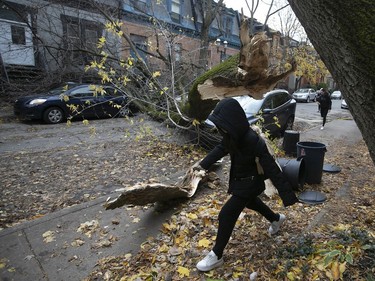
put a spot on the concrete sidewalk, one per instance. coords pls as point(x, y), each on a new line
point(66, 245)
point(54, 248)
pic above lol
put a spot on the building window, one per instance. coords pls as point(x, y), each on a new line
point(140, 43)
point(18, 35)
point(139, 5)
point(228, 24)
point(91, 41)
point(176, 10)
point(73, 39)
point(81, 38)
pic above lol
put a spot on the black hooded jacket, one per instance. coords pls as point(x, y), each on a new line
point(243, 145)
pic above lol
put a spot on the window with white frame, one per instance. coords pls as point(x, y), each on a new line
point(176, 10)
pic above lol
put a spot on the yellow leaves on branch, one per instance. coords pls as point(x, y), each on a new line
point(114, 27)
point(156, 74)
point(101, 42)
point(64, 97)
point(164, 90)
point(196, 122)
point(124, 80)
point(105, 77)
point(95, 65)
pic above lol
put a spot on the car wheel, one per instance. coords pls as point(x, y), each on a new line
point(53, 115)
point(124, 111)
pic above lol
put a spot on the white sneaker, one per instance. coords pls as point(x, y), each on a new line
point(322, 128)
point(275, 226)
point(209, 262)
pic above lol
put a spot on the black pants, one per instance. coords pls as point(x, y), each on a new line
point(323, 113)
point(229, 214)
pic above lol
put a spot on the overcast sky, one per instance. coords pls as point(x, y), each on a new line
point(260, 13)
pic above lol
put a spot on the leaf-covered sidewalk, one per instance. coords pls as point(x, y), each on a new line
point(331, 241)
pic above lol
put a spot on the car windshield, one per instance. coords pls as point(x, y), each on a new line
point(303, 91)
point(56, 91)
point(60, 90)
point(250, 105)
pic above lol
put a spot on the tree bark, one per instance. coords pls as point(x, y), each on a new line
point(343, 33)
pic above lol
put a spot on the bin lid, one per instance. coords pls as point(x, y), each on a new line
point(312, 197)
point(291, 132)
point(330, 168)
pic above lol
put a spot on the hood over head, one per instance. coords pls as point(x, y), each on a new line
point(229, 115)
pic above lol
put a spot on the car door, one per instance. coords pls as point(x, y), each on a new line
point(82, 102)
point(111, 101)
point(276, 111)
point(282, 109)
point(268, 114)
point(312, 94)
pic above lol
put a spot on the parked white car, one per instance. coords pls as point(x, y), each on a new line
point(344, 104)
point(336, 95)
point(305, 95)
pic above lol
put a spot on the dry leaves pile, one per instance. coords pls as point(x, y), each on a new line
point(331, 241)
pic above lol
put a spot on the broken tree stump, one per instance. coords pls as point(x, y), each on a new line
point(248, 73)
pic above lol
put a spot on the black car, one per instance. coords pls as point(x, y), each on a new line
point(73, 100)
point(275, 113)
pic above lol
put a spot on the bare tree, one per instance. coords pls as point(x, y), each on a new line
point(205, 11)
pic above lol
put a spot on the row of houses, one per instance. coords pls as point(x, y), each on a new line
point(55, 39)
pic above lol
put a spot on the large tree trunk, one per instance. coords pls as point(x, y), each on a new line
point(343, 33)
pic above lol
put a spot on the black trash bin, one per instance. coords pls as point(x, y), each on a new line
point(313, 153)
point(294, 170)
point(291, 138)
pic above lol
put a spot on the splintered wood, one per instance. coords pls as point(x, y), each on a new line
point(253, 75)
point(151, 191)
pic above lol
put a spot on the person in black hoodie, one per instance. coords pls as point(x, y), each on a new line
point(325, 103)
point(251, 164)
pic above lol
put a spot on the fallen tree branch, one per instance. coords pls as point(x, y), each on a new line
point(151, 191)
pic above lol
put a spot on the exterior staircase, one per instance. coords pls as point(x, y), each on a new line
point(17, 80)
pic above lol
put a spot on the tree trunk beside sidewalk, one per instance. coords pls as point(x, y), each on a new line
point(344, 36)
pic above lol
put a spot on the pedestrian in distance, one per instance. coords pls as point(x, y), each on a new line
point(325, 103)
point(251, 164)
